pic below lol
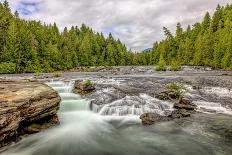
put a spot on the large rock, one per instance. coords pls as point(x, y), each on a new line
point(179, 113)
point(26, 107)
point(152, 118)
point(82, 88)
point(185, 103)
point(183, 108)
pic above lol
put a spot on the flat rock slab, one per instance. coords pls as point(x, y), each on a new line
point(26, 107)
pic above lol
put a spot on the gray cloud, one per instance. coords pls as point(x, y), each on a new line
point(138, 23)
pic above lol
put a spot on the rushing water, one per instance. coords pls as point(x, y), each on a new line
point(83, 132)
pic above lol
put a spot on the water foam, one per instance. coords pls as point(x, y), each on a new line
point(221, 92)
point(212, 107)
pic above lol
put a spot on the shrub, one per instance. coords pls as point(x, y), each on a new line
point(177, 88)
point(57, 74)
point(7, 68)
point(161, 68)
point(175, 66)
point(162, 65)
point(88, 83)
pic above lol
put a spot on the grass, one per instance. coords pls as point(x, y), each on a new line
point(88, 83)
point(177, 88)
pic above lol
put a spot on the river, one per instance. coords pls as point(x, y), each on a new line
point(82, 132)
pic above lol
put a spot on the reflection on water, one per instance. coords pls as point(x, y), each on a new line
point(83, 132)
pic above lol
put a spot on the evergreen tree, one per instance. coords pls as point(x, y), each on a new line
point(162, 65)
point(206, 44)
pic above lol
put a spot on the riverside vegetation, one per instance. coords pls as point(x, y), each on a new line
point(26, 48)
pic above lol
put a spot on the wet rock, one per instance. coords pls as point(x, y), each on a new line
point(162, 95)
point(224, 82)
point(38, 126)
point(180, 113)
point(152, 118)
point(184, 103)
point(24, 103)
point(83, 88)
point(184, 107)
point(167, 95)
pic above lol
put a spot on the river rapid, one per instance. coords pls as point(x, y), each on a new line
point(83, 132)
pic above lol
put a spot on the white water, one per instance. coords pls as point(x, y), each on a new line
point(220, 92)
point(134, 105)
point(131, 105)
point(212, 107)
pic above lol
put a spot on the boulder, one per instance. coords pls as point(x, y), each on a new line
point(166, 95)
point(152, 118)
point(184, 103)
point(180, 113)
point(82, 88)
point(26, 105)
point(162, 96)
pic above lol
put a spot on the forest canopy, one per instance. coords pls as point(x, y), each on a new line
point(30, 46)
point(208, 43)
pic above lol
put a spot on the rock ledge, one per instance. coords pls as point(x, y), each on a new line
point(26, 107)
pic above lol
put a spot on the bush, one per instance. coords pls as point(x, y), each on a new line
point(177, 88)
point(7, 68)
point(57, 74)
point(161, 68)
point(175, 66)
point(162, 65)
point(88, 83)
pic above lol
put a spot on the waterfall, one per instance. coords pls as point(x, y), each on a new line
point(133, 105)
point(69, 100)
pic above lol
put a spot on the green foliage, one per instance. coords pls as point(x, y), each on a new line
point(7, 68)
point(38, 74)
point(88, 83)
point(36, 47)
point(175, 66)
point(177, 88)
point(162, 65)
point(57, 74)
point(208, 43)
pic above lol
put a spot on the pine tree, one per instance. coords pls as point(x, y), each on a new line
point(175, 66)
point(162, 65)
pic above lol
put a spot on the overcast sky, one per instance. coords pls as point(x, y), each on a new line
point(138, 23)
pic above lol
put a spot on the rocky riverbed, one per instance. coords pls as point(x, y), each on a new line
point(149, 96)
point(25, 108)
point(111, 106)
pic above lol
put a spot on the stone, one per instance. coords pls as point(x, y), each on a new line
point(162, 96)
point(167, 95)
point(152, 118)
point(180, 113)
point(26, 105)
point(82, 88)
point(184, 104)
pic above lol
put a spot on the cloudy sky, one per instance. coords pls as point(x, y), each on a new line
point(138, 23)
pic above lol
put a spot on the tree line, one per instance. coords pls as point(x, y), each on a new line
point(30, 46)
point(208, 43)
